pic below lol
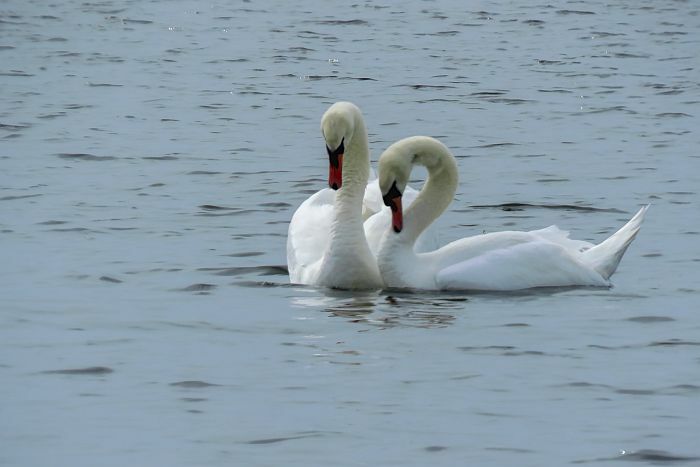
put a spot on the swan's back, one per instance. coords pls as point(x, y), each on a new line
point(535, 263)
point(540, 258)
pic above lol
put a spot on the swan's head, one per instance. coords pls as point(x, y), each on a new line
point(394, 171)
point(395, 166)
point(338, 128)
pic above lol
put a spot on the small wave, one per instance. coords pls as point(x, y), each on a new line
point(650, 319)
point(77, 106)
point(84, 157)
point(18, 73)
point(281, 439)
point(424, 101)
point(105, 85)
point(607, 34)
point(636, 392)
point(110, 279)
point(229, 212)
point(552, 180)
point(136, 21)
point(52, 222)
point(91, 370)
point(439, 33)
point(214, 207)
point(494, 145)
point(260, 172)
point(355, 78)
point(262, 284)
point(273, 270)
point(160, 158)
point(12, 198)
point(566, 207)
point(197, 288)
point(339, 22)
point(74, 229)
point(435, 448)
point(649, 456)
point(585, 384)
point(51, 115)
point(629, 55)
point(656, 456)
point(487, 348)
point(487, 93)
point(245, 254)
point(575, 12)
point(616, 108)
point(193, 384)
point(673, 343)
point(10, 127)
point(669, 33)
point(673, 114)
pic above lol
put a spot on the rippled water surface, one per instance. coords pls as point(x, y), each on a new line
point(152, 154)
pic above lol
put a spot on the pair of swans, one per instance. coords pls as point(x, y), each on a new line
point(344, 238)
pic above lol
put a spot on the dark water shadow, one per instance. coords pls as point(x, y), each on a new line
point(92, 370)
point(564, 207)
point(646, 456)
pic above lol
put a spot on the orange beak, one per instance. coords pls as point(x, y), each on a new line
point(335, 172)
point(393, 200)
point(396, 214)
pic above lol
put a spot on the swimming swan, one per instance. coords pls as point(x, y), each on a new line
point(326, 242)
point(495, 261)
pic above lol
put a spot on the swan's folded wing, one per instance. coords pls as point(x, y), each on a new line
point(520, 266)
point(309, 233)
point(561, 237)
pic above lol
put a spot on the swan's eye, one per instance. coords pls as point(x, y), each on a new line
point(391, 194)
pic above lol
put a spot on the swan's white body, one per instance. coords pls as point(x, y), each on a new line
point(495, 261)
point(327, 242)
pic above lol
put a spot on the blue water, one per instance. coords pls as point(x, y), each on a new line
point(152, 154)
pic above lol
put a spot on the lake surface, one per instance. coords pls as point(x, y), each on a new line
point(152, 154)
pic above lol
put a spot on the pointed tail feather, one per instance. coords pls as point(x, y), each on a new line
point(605, 256)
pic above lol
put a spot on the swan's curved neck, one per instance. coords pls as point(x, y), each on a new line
point(438, 191)
point(348, 199)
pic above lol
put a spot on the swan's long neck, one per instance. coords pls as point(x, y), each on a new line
point(438, 191)
point(347, 226)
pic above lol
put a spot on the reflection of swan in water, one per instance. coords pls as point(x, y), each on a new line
point(327, 243)
point(338, 300)
point(379, 310)
point(495, 261)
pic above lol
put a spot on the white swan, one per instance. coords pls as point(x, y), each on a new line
point(495, 261)
point(328, 242)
